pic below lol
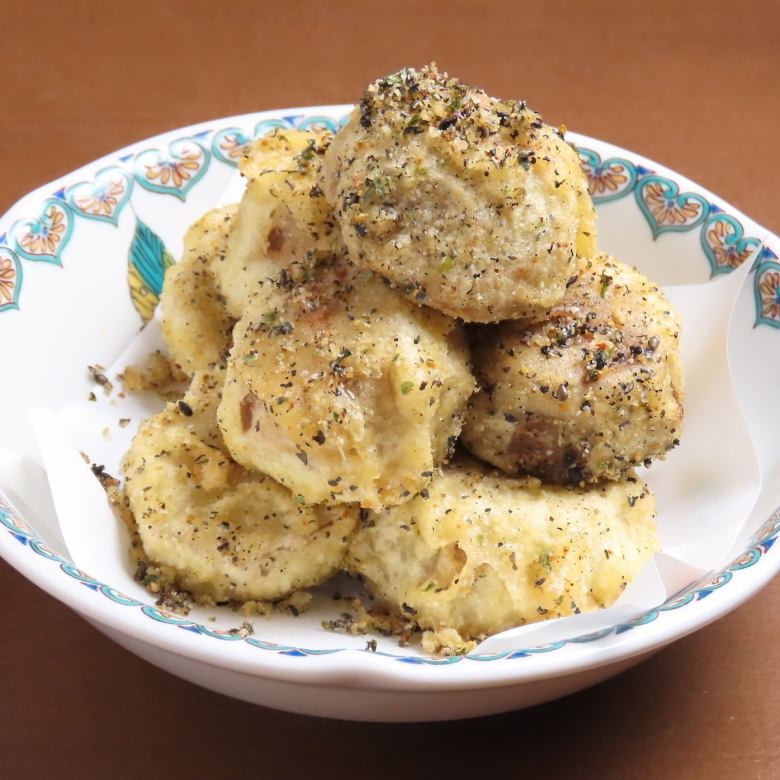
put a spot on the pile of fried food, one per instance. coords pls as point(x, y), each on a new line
point(410, 362)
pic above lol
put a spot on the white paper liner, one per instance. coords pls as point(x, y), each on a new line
point(25, 486)
point(705, 489)
point(233, 192)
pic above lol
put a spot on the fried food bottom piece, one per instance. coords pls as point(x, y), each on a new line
point(229, 534)
point(196, 324)
point(478, 552)
point(591, 389)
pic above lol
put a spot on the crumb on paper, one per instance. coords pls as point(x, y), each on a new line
point(105, 479)
point(244, 630)
point(176, 601)
point(124, 422)
point(359, 619)
point(446, 642)
point(159, 373)
point(106, 433)
point(97, 372)
point(160, 582)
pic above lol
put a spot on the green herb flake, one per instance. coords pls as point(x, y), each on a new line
point(380, 183)
point(606, 281)
point(446, 264)
point(421, 170)
point(270, 317)
point(393, 78)
point(309, 151)
point(407, 387)
point(299, 498)
point(545, 559)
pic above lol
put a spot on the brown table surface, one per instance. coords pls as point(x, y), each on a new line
point(692, 85)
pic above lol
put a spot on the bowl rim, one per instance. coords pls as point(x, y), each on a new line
point(356, 667)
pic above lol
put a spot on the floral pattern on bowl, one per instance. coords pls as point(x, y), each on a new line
point(178, 169)
point(111, 199)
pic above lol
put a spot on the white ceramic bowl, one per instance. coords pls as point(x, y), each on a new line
point(80, 260)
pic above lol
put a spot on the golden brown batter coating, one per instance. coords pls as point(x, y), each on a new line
point(284, 225)
point(229, 534)
point(467, 203)
point(480, 552)
point(591, 389)
point(196, 324)
point(346, 380)
point(349, 392)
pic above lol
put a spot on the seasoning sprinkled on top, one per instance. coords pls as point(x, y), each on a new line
point(469, 203)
